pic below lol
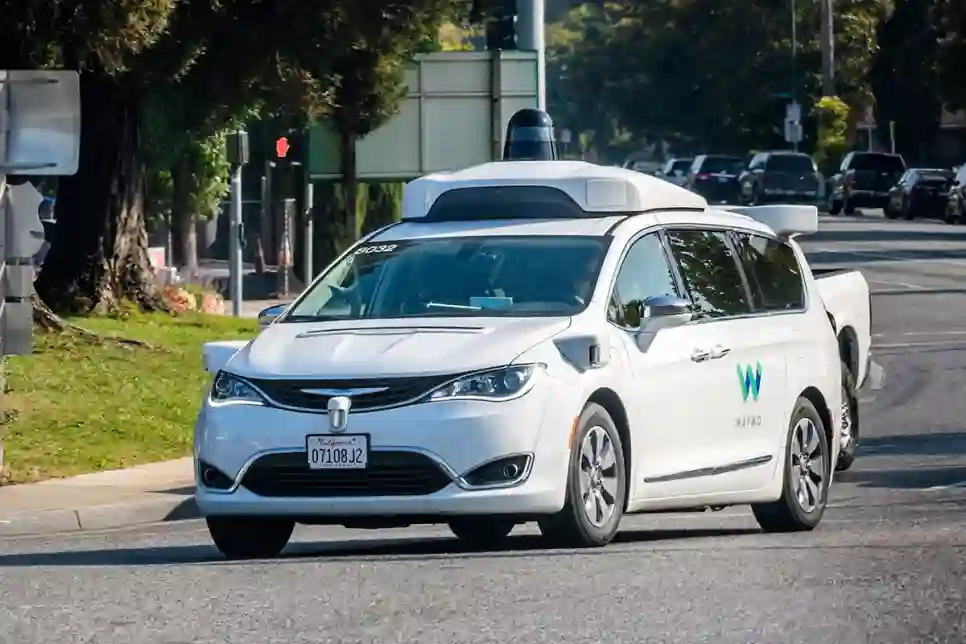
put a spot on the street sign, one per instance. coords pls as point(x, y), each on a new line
point(793, 112)
point(793, 131)
point(282, 147)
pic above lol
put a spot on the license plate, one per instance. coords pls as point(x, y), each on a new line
point(328, 452)
point(722, 179)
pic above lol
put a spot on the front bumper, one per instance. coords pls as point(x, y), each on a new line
point(440, 441)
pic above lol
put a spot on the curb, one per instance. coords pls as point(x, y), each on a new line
point(102, 517)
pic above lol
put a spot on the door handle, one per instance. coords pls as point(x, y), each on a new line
point(700, 355)
point(718, 351)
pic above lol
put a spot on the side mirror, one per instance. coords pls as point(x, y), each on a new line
point(269, 315)
point(661, 312)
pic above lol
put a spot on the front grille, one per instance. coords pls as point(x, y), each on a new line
point(392, 391)
point(388, 474)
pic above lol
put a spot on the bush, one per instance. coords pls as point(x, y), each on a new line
point(832, 116)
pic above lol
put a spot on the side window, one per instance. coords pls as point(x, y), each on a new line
point(757, 162)
point(644, 273)
point(710, 271)
point(773, 273)
point(961, 175)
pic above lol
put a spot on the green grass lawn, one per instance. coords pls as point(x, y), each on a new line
point(75, 406)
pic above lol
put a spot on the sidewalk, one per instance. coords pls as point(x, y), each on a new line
point(112, 499)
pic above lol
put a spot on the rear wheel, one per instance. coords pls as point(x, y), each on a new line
point(250, 537)
point(850, 421)
point(834, 206)
point(596, 485)
point(481, 533)
point(806, 477)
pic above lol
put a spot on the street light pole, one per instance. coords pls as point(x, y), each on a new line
point(794, 88)
point(828, 48)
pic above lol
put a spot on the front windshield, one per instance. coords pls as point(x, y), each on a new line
point(457, 276)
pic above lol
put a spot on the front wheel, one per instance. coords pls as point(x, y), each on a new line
point(250, 537)
point(596, 485)
point(850, 421)
point(806, 477)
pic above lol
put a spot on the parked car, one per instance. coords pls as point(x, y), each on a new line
point(920, 192)
point(956, 204)
point(715, 177)
point(788, 177)
point(675, 171)
point(863, 181)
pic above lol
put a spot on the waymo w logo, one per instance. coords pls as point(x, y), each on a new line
point(750, 380)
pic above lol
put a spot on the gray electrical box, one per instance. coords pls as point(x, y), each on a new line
point(238, 148)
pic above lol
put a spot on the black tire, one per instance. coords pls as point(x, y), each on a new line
point(908, 213)
point(834, 206)
point(250, 537)
point(572, 527)
point(481, 533)
point(788, 514)
point(850, 406)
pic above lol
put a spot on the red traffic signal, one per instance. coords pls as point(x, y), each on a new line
point(282, 147)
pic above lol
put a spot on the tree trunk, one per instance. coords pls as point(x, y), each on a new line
point(350, 184)
point(100, 252)
point(179, 208)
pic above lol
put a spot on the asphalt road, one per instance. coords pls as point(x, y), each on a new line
point(887, 565)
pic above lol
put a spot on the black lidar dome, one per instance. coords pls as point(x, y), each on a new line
point(529, 137)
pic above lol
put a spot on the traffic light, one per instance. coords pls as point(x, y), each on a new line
point(290, 148)
point(501, 26)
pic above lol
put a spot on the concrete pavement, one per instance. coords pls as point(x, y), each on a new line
point(111, 499)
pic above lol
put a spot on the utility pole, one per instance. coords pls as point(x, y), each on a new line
point(827, 37)
point(530, 37)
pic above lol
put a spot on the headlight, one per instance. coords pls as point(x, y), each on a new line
point(498, 384)
point(228, 388)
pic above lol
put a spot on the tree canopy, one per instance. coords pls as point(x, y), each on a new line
point(211, 63)
point(713, 72)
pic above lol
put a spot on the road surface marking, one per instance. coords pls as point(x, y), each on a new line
point(909, 345)
point(919, 333)
point(951, 486)
point(916, 287)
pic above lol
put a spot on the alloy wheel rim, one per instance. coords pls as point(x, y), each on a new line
point(808, 466)
point(598, 477)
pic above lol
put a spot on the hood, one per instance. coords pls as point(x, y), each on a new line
point(366, 348)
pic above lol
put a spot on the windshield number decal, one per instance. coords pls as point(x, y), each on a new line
point(380, 248)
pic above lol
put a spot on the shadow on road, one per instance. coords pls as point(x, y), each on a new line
point(361, 549)
point(946, 444)
point(917, 479)
point(871, 256)
point(885, 234)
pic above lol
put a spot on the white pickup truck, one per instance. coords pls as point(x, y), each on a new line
point(553, 341)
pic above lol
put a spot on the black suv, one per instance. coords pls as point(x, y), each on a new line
point(715, 177)
point(786, 177)
point(863, 181)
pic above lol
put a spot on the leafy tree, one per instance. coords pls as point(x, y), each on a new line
point(905, 76)
point(304, 59)
point(714, 72)
point(951, 16)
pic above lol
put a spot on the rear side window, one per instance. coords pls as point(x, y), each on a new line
point(773, 273)
point(724, 165)
point(710, 272)
point(790, 163)
point(878, 162)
